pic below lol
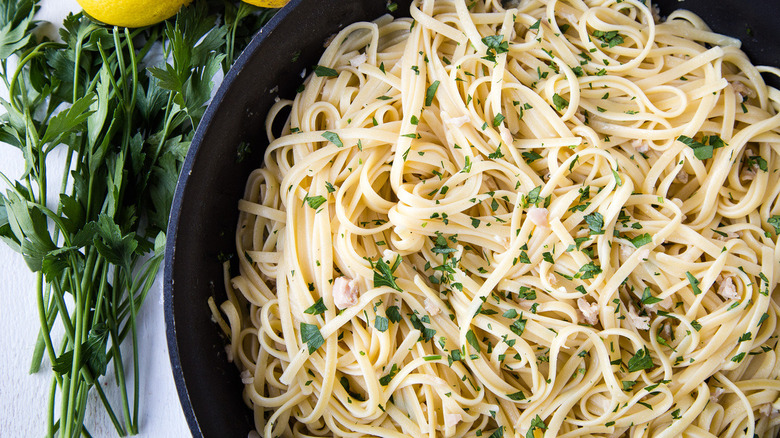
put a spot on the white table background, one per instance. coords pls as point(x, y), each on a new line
point(23, 397)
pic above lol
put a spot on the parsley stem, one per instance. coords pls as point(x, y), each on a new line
point(19, 67)
point(119, 368)
point(47, 317)
point(111, 414)
point(45, 332)
point(75, 369)
point(55, 380)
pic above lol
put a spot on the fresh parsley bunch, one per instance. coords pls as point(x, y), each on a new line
point(125, 122)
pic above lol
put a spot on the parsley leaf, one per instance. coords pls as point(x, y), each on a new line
point(611, 38)
point(559, 102)
point(383, 274)
point(333, 138)
point(536, 423)
point(315, 202)
point(517, 396)
point(648, 298)
point(642, 239)
point(700, 150)
point(531, 156)
point(394, 314)
point(325, 71)
point(431, 92)
point(385, 380)
point(518, 326)
point(694, 283)
point(640, 361)
point(774, 221)
point(317, 308)
point(311, 336)
point(589, 270)
point(497, 154)
point(381, 323)
point(471, 338)
point(497, 43)
point(595, 222)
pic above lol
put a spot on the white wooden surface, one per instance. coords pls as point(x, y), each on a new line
point(23, 397)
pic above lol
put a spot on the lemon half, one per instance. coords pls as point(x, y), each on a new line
point(132, 13)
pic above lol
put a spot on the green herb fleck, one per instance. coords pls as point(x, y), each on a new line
point(316, 308)
point(310, 335)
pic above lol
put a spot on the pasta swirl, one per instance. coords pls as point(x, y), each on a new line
point(558, 219)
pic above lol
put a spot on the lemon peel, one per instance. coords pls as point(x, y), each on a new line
point(267, 3)
point(132, 13)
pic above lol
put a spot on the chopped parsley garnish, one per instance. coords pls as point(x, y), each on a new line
point(345, 384)
point(642, 239)
point(440, 245)
point(467, 165)
point(315, 202)
point(394, 314)
point(758, 161)
point(333, 138)
point(517, 396)
point(531, 156)
point(311, 336)
point(589, 270)
point(694, 283)
point(595, 223)
point(427, 333)
point(499, 433)
point(526, 294)
point(497, 154)
point(611, 38)
point(559, 102)
point(495, 45)
point(648, 298)
point(383, 274)
point(640, 361)
point(518, 326)
point(317, 308)
point(471, 338)
point(381, 323)
point(774, 221)
point(536, 423)
point(385, 380)
point(704, 149)
point(325, 71)
point(431, 92)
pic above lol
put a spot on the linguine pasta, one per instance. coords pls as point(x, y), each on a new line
point(559, 218)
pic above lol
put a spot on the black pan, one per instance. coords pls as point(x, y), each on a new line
point(204, 213)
